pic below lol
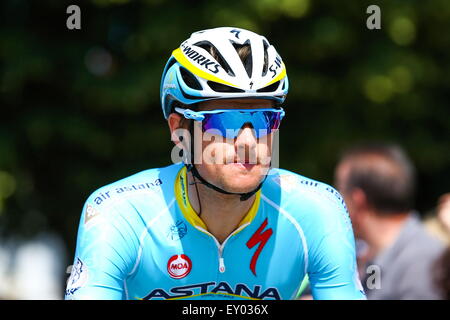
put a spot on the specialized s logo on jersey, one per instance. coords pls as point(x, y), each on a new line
point(258, 237)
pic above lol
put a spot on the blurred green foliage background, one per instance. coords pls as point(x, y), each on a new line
point(80, 108)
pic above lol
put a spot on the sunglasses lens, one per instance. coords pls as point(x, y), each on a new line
point(229, 123)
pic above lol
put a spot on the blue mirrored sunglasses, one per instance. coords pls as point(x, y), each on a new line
point(229, 121)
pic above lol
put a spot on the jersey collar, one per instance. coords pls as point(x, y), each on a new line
point(181, 195)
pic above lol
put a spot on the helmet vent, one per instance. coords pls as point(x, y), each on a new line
point(245, 54)
point(271, 88)
point(209, 47)
point(169, 64)
point(218, 87)
point(189, 79)
point(266, 58)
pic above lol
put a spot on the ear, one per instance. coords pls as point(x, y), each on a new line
point(359, 200)
point(174, 122)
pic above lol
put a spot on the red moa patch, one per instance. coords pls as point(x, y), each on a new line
point(179, 266)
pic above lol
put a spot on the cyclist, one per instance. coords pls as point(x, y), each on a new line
point(223, 223)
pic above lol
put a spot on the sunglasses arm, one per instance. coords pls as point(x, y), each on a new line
point(190, 114)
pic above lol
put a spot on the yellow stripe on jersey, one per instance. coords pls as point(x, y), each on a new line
point(181, 194)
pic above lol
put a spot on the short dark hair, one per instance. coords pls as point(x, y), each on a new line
point(384, 173)
point(244, 52)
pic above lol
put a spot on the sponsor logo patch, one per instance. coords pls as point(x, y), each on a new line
point(78, 277)
point(90, 214)
point(179, 266)
point(259, 238)
point(214, 289)
point(177, 231)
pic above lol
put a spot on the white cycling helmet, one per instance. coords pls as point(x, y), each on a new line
point(207, 66)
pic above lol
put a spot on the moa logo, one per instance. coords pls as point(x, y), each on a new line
point(179, 266)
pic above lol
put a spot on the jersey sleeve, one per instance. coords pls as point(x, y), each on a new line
point(105, 254)
point(332, 266)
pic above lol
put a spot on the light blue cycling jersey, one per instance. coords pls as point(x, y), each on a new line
point(139, 238)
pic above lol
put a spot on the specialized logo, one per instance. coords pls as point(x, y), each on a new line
point(258, 237)
point(236, 32)
point(200, 59)
point(179, 266)
point(275, 66)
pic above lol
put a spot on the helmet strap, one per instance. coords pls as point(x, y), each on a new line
point(191, 168)
point(243, 196)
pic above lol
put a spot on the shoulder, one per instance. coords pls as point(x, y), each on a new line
point(148, 180)
point(307, 200)
point(425, 245)
point(415, 262)
point(295, 188)
point(155, 184)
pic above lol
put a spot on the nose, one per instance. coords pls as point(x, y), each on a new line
point(246, 140)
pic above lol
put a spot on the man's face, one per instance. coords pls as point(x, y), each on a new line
point(236, 165)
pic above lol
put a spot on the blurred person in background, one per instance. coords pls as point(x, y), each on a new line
point(438, 222)
point(442, 279)
point(439, 225)
point(377, 182)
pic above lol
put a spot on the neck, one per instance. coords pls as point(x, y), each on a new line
point(382, 231)
point(221, 213)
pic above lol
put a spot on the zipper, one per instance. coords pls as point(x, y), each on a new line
point(221, 265)
point(220, 247)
